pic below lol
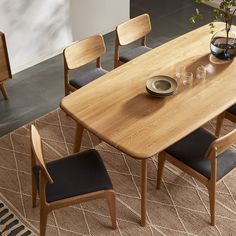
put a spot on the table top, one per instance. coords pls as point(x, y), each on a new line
point(117, 108)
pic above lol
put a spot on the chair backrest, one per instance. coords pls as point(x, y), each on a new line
point(222, 143)
point(5, 70)
point(133, 29)
point(84, 51)
point(36, 143)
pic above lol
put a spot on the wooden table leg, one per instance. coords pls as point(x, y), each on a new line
point(144, 193)
point(4, 91)
point(78, 137)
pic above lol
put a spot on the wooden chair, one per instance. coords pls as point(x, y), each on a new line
point(73, 179)
point(5, 69)
point(79, 54)
point(203, 157)
point(128, 32)
point(229, 114)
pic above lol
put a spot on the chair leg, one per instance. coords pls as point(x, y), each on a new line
point(4, 91)
point(161, 163)
point(116, 53)
point(111, 200)
point(43, 220)
point(116, 64)
point(34, 192)
point(212, 199)
point(219, 123)
point(67, 90)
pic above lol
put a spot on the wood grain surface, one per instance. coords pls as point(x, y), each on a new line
point(117, 108)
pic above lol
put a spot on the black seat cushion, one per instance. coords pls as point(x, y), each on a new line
point(232, 110)
point(87, 77)
point(132, 53)
point(191, 150)
point(75, 175)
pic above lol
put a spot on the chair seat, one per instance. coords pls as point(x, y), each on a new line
point(191, 150)
point(133, 53)
point(87, 77)
point(232, 110)
point(75, 175)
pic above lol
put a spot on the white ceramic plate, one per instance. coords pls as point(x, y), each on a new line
point(161, 85)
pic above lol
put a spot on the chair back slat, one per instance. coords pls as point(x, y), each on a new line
point(84, 51)
point(37, 150)
point(222, 143)
point(133, 29)
point(5, 70)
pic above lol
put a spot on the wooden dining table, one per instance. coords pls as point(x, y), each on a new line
point(117, 109)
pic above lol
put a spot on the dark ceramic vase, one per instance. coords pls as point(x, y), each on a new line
point(223, 47)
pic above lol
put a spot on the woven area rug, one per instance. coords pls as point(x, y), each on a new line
point(181, 207)
point(11, 221)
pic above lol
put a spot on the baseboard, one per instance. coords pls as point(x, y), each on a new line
point(46, 57)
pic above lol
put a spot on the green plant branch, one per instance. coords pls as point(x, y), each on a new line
point(225, 13)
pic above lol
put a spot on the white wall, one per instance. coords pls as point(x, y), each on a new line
point(90, 16)
point(38, 29)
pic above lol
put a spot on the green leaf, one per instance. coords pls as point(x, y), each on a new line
point(225, 13)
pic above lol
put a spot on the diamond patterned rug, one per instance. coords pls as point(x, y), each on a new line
point(181, 207)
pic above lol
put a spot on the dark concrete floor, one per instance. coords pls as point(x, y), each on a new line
point(39, 89)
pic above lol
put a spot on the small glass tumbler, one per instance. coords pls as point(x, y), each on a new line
point(201, 73)
point(179, 71)
point(187, 78)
